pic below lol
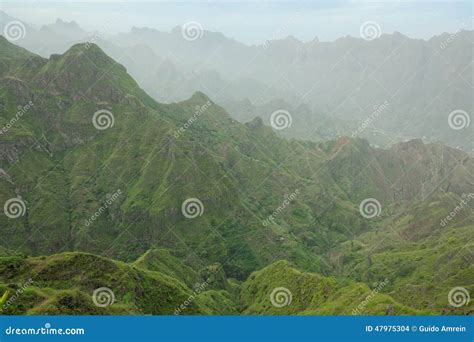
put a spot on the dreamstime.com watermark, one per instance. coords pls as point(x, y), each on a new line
point(103, 119)
point(459, 119)
point(22, 110)
point(192, 208)
point(46, 330)
point(461, 205)
point(192, 30)
point(281, 297)
point(370, 30)
point(14, 30)
point(370, 208)
point(288, 199)
point(108, 202)
point(198, 111)
point(281, 119)
point(360, 308)
point(375, 113)
point(458, 296)
point(103, 297)
point(465, 25)
point(10, 299)
point(14, 207)
point(197, 289)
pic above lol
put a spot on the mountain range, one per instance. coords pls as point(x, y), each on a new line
point(101, 175)
point(331, 89)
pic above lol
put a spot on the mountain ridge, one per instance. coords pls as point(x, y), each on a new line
point(406, 72)
point(66, 170)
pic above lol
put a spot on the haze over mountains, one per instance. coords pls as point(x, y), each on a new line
point(96, 175)
point(330, 89)
point(63, 167)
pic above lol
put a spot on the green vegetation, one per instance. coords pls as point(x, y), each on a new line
point(143, 248)
point(313, 294)
point(64, 283)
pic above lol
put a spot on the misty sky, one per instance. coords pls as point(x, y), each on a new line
point(255, 22)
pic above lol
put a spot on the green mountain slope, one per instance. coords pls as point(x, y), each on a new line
point(312, 294)
point(421, 258)
point(65, 283)
point(73, 166)
point(115, 188)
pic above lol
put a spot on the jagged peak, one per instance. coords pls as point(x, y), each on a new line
point(71, 23)
point(136, 29)
point(84, 65)
point(200, 96)
point(90, 53)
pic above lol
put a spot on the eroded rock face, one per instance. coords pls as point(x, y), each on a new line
point(18, 89)
point(9, 152)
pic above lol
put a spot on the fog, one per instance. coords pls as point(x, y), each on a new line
point(340, 69)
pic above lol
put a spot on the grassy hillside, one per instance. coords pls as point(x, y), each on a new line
point(103, 200)
point(65, 283)
point(312, 294)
